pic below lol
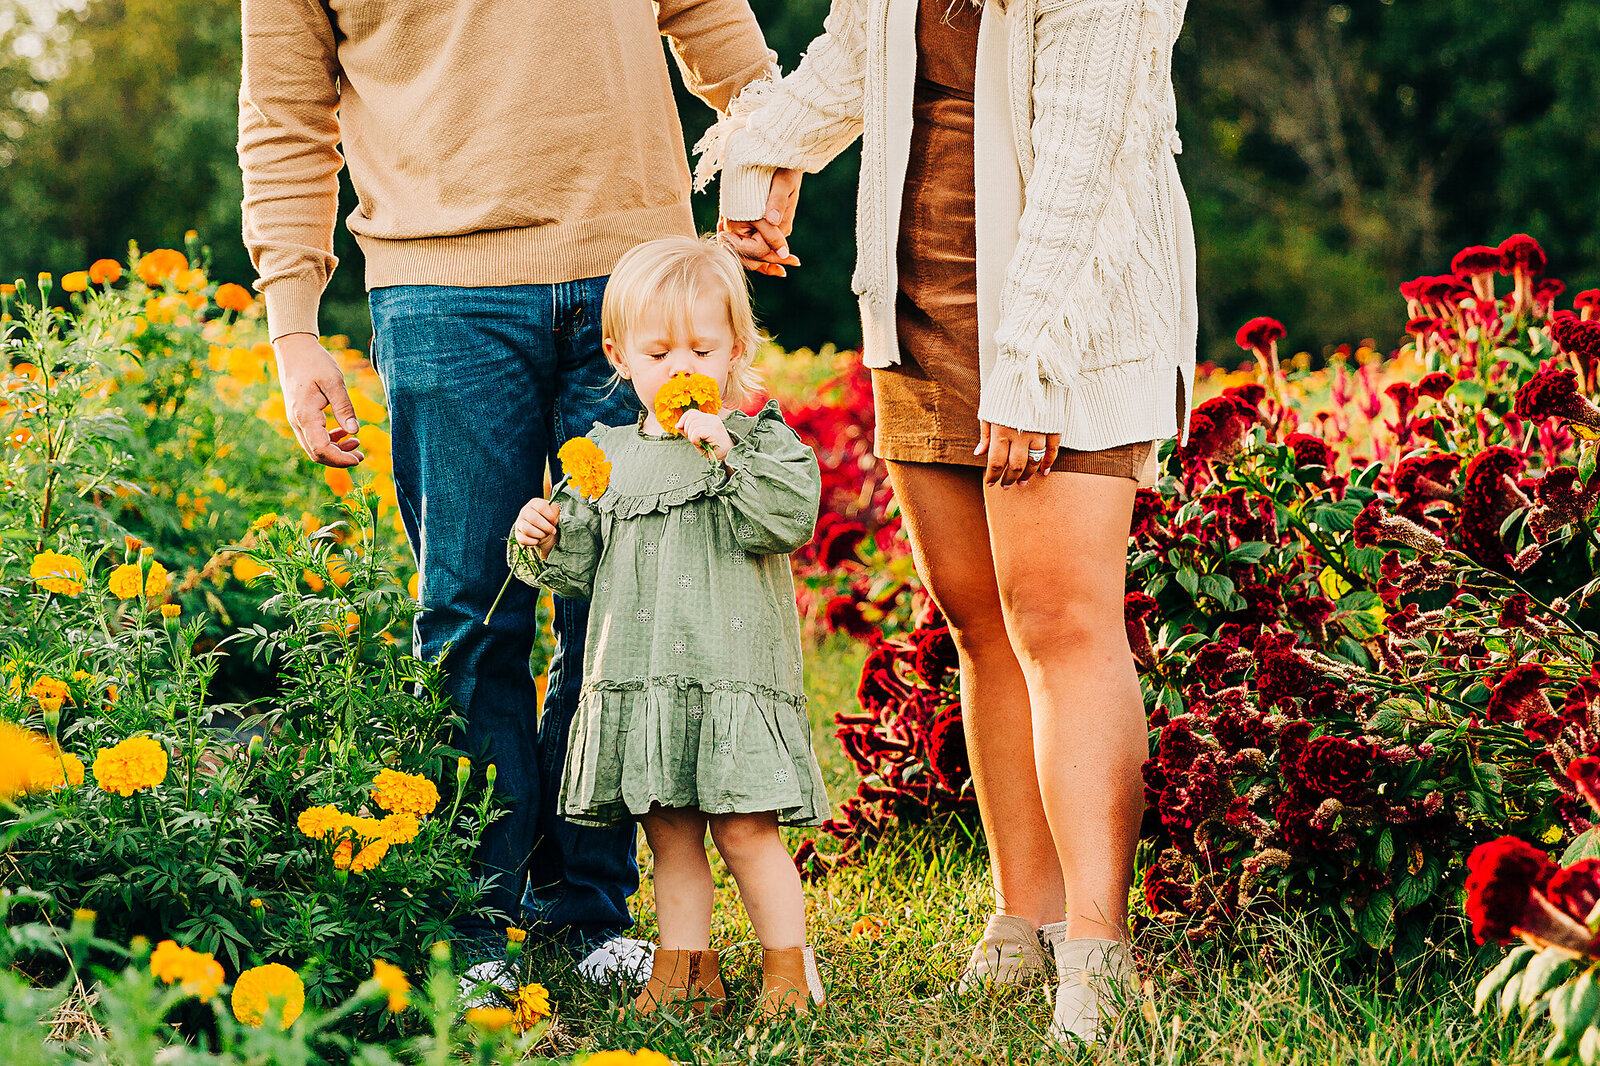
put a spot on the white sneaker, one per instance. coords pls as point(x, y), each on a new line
point(621, 958)
point(478, 984)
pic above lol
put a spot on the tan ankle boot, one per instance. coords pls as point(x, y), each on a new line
point(1009, 954)
point(676, 976)
point(789, 981)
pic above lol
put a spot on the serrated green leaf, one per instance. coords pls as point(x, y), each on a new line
point(1494, 981)
point(1546, 970)
point(1375, 921)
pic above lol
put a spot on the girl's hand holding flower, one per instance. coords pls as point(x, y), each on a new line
point(536, 525)
point(702, 428)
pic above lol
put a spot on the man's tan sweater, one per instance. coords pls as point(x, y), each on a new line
point(490, 142)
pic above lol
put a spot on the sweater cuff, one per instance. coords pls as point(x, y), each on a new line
point(1014, 396)
point(292, 303)
point(745, 188)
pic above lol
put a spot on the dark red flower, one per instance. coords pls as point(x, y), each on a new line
point(1504, 880)
point(1214, 661)
point(1576, 889)
point(1311, 451)
point(1313, 613)
point(1178, 745)
point(1165, 897)
point(1476, 259)
point(1334, 766)
point(1435, 384)
point(1490, 495)
point(1149, 511)
point(1297, 829)
point(1553, 393)
point(1136, 607)
point(1404, 396)
point(947, 750)
point(1561, 501)
point(1259, 334)
point(1546, 290)
point(1250, 392)
point(881, 688)
point(1521, 251)
point(839, 542)
point(1237, 728)
point(1374, 525)
point(1587, 300)
point(1584, 774)
point(1217, 428)
point(1576, 337)
point(1519, 695)
point(934, 654)
point(1422, 479)
point(843, 615)
point(1282, 673)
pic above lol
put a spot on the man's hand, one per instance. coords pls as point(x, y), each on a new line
point(763, 244)
point(536, 525)
point(312, 383)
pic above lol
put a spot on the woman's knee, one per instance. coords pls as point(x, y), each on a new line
point(1049, 625)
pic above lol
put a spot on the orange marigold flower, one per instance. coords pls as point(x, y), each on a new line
point(586, 466)
point(126, 581)
point(75, 281)
point(155, 584)
point(59, 770)
point(404, 793)
point(532, 1005)
point(25, 757)
point(338, 479)
point(684, 392)
point(393, 981)
point(104, 271)
point(341, 855)
point(231, 297)
point(868, 927)
point(138, 762)
point(490, 1019)
point(261, 988)
point(318, 822)
point(399, 828)
point(198, 972)
point(58, 573)
point(51, 692)
point(158, 267)
point(369, 856)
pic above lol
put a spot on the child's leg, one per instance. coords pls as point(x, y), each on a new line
point(677, 838)
point(769, 884)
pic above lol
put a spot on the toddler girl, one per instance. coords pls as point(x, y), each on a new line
point(692, 712)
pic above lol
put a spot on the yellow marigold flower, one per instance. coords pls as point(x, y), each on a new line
point(51, 692)
point(104, 271)
point(684, 392)
point(8, 289)
point(24, 760)
point(126, 581)
point(318, 822)
point(313, 581)
point(138, 762)
point(231, 297)
point(260, 988)
point(198, 972)
point(515, 935)
point(338, 479)
point(56, 769)
point(369, 856)
point(531, 1004)
point(341, 855)
point(338, 571)
point(157, 267)
point(247, 569)
point(413, 585)
point(76, 281)
point(111, 693)
point(399, 828)
point(404, 793)
point(393, 981)
point(155, 584)
point(170, 610)
point(266, 521)
point(586, 466)
point(257, 904)
point(58, 573)
point(490, 1019)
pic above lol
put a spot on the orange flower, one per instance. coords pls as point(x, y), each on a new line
point(586, 466)
point(868, 927)
point(160, 266)
point(104, 271)
point(339, 480)
point(231, 297)
point(76, 281)
point(684, 392)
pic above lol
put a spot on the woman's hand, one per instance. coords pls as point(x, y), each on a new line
point(1007, 450)
point(762, 244)
point(536, 526)
point(698, 426)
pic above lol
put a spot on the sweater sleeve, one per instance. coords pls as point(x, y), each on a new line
point(288, 152)
point(1093, 99)
point(801, 122)
point(569, 568)
point(773, 488)
point(718, 46)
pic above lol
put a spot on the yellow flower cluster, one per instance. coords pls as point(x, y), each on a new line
point(586, 466)
point(404, 793)
point(375, 835)
point(532, 1005)
point(393, 981)
point(58, 573)
point(51, 692)
point(259, 988)
point(30, 763)
point(490, 1019)
point(684, 392)
point(138, 762)
point(643, 1057)
point(198, 972)
point(129, 579)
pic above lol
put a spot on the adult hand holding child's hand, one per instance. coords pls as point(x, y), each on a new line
point(536, 525)
point(698, 426)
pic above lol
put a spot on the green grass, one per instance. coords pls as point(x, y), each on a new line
point(1281, 1000)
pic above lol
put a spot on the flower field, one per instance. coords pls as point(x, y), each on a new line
point(1359, 597)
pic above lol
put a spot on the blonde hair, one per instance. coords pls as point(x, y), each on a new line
point(664, 278)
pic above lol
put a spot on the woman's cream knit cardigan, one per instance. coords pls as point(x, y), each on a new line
point(1086, 303)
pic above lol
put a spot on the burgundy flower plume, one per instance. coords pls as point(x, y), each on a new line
point(1524, 260)
point(1553, 393)
point(1261, 336)
point(1477, 265)
point(1507, 881)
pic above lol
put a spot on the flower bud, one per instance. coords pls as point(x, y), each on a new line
point(490, 774)
point(52, 720)
point(253, 752)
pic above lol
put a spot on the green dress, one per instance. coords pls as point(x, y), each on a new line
point(692, 687)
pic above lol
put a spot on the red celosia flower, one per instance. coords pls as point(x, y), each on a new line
point(1435, 384)
point(839, 541)
point(1217, 428)
point(1334, 766)
point(1519, 695)
point(1505, 881)
point(934, 654)
point(1374, 525)
point(881, 688)
point(1425, 478)
point(1311, 451)
point(1250, 392)
point(1587, 303)
point(1576, 889)
point(947, 750)
point(1313, 613)
point(1577, 337)
point(1422, 324)
point(1521, 251)
point(1259, 334)
point(1561, 501)
point(1476, 259)
point(1239, 728)
point(1553, 393)
point(1149, 511)
point(1584, 774)
point(1165, 897)
point(1488, 498)
point(1178, 745)
point(843, 615)
point(1282, 673)
point(1545, 291)
point(1136, 607)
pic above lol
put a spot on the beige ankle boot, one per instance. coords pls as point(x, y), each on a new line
point(676, 976)
point(789, 982)
point(1008, 955)
point(1088, 971)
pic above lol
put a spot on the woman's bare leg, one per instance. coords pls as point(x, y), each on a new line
point(944, 517)
point(1060, 550)
point(683, 885)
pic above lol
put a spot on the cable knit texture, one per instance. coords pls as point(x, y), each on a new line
point(490, 142)
point(1086, 259)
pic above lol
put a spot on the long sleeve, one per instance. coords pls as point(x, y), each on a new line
point(569, 568)
point(1093, 92)
point(718, 46)
point(801, 122)
point(288, 151)
point(774, 487)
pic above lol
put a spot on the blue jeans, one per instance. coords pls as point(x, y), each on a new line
point(483, 385)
